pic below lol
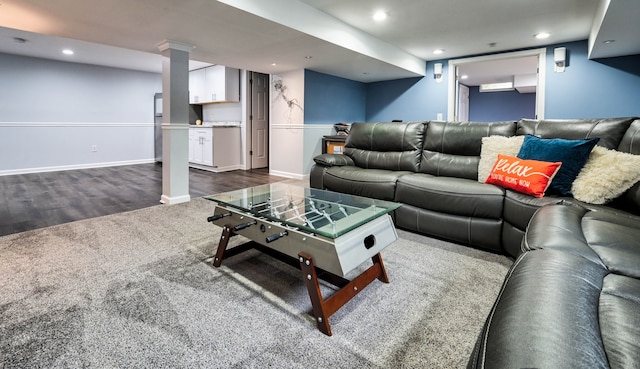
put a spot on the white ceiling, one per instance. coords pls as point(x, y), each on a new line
point(339, 35)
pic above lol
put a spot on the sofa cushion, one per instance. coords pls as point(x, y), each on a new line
point(605, 235)
point(610, 130)
point(450, 195)
point(531, 177)
point(572, 300)
point(330, 160)
point(631, 143)
point(631, 140)
point(373, 183)
point(572, 153)
point(547, 316)
point(479, 232)
point(452, 149)
point(388, 145)
point(519, 208)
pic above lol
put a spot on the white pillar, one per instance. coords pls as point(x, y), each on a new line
point(175, 122)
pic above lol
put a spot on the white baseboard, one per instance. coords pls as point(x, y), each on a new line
point(216, 169)
point(164, 199)
point(74, 167)
point(289, 175)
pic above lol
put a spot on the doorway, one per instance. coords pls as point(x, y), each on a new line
point(491, 69)
point(259, 120)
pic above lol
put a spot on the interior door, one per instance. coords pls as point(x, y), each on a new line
point(259, 119)
point(463, 103)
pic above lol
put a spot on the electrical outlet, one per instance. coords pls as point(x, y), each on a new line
point(94, 148)
point(439, 116)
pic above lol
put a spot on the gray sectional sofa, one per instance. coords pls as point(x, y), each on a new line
point(572, 297)
point(431, 168)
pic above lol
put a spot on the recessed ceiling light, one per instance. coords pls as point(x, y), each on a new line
point(438, 51)
point(464, 76)
point(67, 52)
point(608, 41)
point(542, 35)
point(308, 57)
point(380, 15)
point(274, 64)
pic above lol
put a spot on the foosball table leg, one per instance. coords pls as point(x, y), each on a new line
point(317, 302)
point(323, 309)
point(227, 233)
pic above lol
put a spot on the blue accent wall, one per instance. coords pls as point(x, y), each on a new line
point(410, 99)
point(592, 88)
point(587, 89)
point(500, 105)
point(329, 99)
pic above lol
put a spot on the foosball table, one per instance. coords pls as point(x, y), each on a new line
point(325, 234)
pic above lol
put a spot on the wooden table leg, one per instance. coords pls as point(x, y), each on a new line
point(323, 309)
point(377, 260)
point(311, 279)
point(227, 233)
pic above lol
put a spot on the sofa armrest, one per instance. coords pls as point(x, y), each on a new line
point(333, 160)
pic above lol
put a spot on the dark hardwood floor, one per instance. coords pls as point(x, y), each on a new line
point(31, 201)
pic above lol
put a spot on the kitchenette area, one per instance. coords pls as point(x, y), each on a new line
point(215, 119)
point(215, 146)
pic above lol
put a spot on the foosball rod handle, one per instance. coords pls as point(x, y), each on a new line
point(244, 225)
point(213, 218)
point(276, 236)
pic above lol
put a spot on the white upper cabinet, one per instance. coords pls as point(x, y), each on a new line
point(214, 84)
point(196, 86)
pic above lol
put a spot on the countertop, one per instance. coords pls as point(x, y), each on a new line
point(216, 124)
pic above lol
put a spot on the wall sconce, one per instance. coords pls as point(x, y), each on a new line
point(560, 59)
point(437, 72)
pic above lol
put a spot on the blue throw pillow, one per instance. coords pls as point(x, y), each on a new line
point(572, 153)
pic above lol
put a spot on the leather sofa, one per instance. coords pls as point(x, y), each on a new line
point(431, 169)
point(572, 298)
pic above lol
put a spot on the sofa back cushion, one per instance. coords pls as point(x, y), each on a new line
point(610, 131)
point(631, 140)
point(452, 149)
point(386, 145)
point(630, 143)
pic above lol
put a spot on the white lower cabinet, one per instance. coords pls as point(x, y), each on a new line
point(201, 146)
point(215, 148)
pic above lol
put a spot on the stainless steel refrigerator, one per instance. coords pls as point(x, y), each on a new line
point(195, 113)
point(157, 120)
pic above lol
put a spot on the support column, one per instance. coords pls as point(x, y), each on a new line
point(175, 122)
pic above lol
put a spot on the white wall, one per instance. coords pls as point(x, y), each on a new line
point(52, 113)
point(227, 112)
point(293, 144)
point(287, 125)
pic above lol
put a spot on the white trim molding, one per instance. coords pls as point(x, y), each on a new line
point(164, 199)
point(541, 53)
point(73, 124)
point(74, 167)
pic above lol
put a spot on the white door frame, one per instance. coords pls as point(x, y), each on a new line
point(453, 77)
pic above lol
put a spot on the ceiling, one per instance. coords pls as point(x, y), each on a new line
point(337, 37)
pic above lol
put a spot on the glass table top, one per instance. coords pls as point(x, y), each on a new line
point(326, 213)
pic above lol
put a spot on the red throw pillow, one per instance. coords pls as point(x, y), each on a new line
point(532, 177)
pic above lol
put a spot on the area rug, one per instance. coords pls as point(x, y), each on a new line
point(137, 289)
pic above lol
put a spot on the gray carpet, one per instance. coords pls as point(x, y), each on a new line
point(136, 290)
